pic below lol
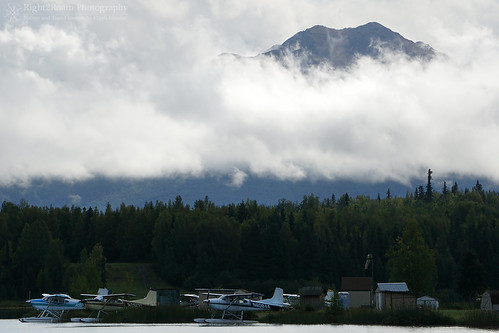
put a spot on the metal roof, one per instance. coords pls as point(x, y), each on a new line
point(398, 287)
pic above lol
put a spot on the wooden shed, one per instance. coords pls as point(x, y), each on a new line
point(394, 296)
point(359, 288)
point(313, 296)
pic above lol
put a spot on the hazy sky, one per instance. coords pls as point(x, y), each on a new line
point(139, 89)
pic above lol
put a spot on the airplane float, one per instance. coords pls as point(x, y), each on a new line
point(52, 307)
point(233, 306)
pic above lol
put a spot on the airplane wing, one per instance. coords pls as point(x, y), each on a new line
point(232, 298)
point(119, 295)
point(110, 296)
point(250, 295)
point(56, 295)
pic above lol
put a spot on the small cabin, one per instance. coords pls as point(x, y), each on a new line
point(313, 296)
point(490, 301)
point(360, 290)
point(394, 296)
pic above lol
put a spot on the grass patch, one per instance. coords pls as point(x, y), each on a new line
point(361, 317)
point(409, 317)
point(457, 315)
point(413, 317)
point(417, 317)
point(14, 313)
point(11, 309)
point(295, 317)
point(162, 314)
point(480, 319)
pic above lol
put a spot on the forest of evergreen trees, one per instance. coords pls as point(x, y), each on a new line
point(440, 242)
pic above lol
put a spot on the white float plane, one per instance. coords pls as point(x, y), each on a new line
point(234, 305)
point(52, 307)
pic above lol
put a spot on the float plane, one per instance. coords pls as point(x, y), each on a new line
point(233, 306)
point(52, 307)
point(103, 302)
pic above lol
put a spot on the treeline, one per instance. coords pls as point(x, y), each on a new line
point(446, 242)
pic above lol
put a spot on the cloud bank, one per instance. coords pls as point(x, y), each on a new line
point(145, 91)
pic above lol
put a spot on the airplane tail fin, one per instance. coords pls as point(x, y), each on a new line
point(278, 297)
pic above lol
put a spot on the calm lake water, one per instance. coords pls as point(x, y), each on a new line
point(14, 326)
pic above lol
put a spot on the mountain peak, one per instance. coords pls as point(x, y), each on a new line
point(341, 48)
point(372, 25)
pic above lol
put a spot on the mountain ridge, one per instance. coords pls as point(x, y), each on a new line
point(99, 192)
point(340, 48)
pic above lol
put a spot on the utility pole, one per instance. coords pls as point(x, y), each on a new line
point(370, 259)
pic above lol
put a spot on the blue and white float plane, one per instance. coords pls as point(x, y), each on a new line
point(52, 307)
point(233, 306)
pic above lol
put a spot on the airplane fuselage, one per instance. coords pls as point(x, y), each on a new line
point(241, 305)
point(96, 305)
point(56, 303)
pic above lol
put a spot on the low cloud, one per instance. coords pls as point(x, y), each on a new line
point(154, 98)
point(237, 178)
point(75, 198)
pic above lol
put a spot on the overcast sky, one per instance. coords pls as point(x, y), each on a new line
point(139, 89)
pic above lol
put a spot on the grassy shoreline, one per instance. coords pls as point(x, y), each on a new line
point(136, 277)
point(176, 314)
point(416, 318)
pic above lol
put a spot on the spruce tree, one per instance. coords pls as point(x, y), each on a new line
point(429, 189)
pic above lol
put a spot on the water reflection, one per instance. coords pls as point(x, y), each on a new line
point(12, 325)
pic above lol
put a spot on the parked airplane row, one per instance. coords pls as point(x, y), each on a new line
point(51, 307)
